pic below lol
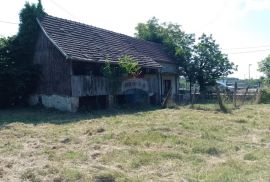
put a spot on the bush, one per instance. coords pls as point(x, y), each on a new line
point(16, 82)
point(263, 96)
point(18, 75)
point(129, 66)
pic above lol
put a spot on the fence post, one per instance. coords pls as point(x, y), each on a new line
point(193, 98)
point(220, 101)
point(258, 96)
point(244, 98)
point(234, 95)
point(190, 92)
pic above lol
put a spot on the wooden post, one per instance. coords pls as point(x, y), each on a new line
point(193, 97)
point(220, 102)
point(234, 95)
point(111, 101)
point(258, 96)
point(244, 98)
point(190, 92)
point(166, 99)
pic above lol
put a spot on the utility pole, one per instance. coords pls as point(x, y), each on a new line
point(249, 71)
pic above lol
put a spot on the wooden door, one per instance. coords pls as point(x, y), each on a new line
point(167, 86)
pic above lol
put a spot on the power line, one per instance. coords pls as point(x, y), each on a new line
point(8, 22)
point(251, 47)
point(65, 10)
point(245, 52)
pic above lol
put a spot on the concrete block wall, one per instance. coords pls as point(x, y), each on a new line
point(61, 103)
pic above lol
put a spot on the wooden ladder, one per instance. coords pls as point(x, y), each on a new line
point(165, 100)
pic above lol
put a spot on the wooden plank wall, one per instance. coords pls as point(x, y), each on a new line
point(93, 85)
point(55, 69)
point(88, 86)
point(152, 83)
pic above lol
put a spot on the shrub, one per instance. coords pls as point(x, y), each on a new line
point(130, 66)
point(18, 74)
point(263, 96)
point(16, 84)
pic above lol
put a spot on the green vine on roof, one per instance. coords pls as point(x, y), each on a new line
point(115, 73)
point(129, 66)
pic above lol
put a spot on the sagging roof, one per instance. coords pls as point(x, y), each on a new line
point(78, 41)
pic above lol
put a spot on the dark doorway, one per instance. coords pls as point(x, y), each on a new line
point(93, 102)
point(133, 97)
point(167, 86)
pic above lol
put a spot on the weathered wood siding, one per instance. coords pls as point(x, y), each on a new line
point(88, 86)
point(94, 85)
point(55, 69)
point(152, 80)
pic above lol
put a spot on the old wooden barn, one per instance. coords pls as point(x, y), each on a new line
point(71, 56)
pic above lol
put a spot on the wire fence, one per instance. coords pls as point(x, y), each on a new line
point(238, 97)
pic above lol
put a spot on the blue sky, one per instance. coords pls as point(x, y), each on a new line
point(256, 22)
point(235, 24)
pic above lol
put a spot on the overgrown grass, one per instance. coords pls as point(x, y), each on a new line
point(177, 144)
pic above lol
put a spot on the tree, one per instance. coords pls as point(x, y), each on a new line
point(7, 72)
point(150, 31)
point(209, 62)
point(202, 63)
point(18, 76)
point(25, 41)
point(176, 42)
point(264, 67)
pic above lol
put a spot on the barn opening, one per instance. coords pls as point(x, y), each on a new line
point(133, 97)
point(93, 102)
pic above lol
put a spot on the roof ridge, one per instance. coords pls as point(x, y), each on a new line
point(110, 31)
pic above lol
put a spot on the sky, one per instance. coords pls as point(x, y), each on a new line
point(240, 27)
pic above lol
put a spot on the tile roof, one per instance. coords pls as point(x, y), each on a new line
point(83, 42)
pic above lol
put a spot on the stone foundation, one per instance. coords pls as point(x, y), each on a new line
point(61, 103)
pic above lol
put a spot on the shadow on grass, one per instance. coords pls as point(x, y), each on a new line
point(40, 115)
point(211, 107)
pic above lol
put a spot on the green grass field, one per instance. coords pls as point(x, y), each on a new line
point(179, 144)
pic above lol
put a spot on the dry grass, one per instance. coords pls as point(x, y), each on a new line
point(177, 144)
